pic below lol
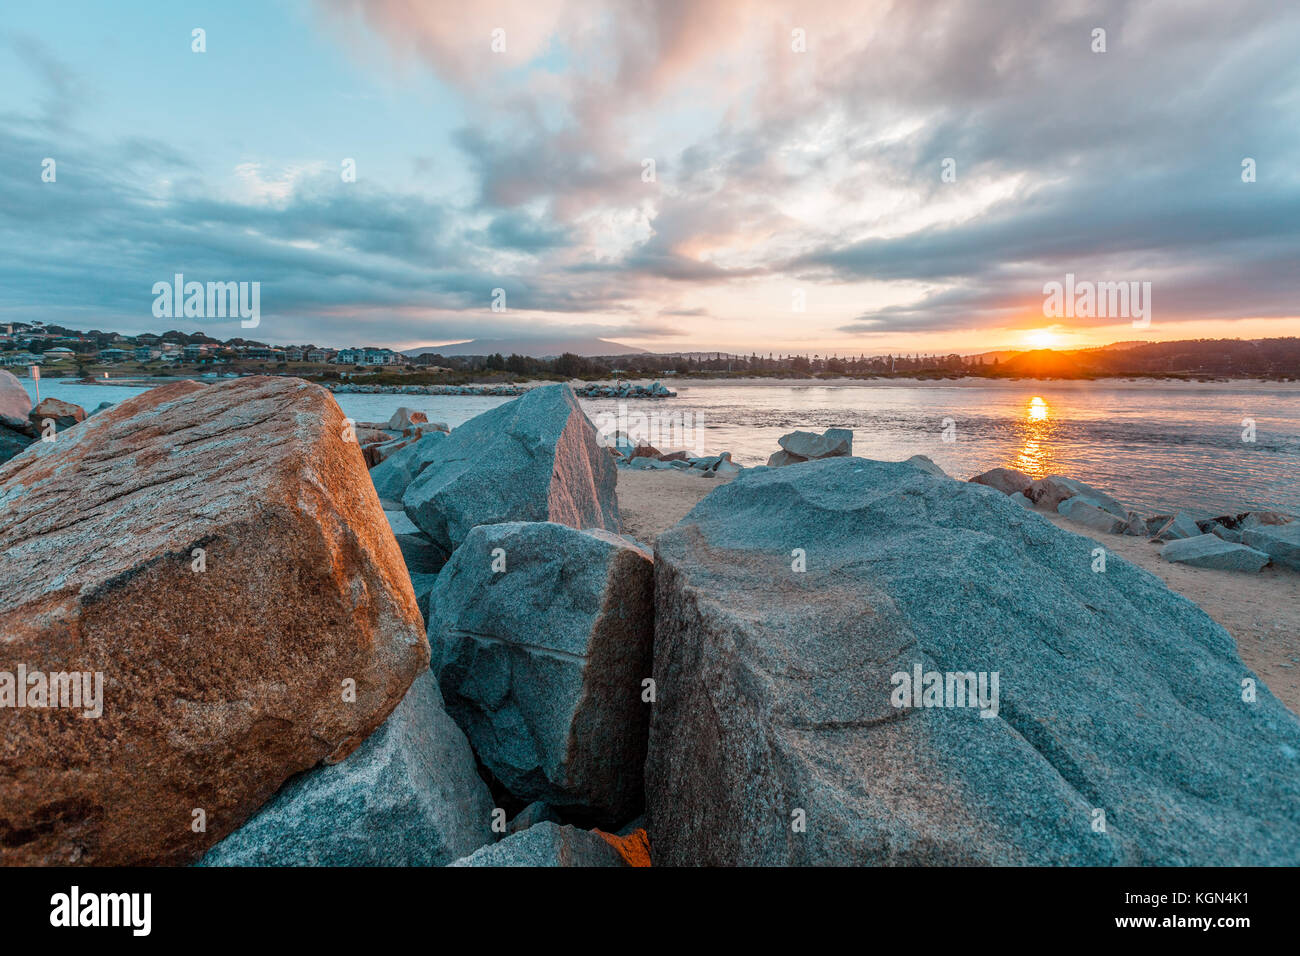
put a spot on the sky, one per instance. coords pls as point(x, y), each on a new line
point(828, 177)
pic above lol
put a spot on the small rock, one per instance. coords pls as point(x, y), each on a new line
point(405, 418)
point(833, 443)
point(395, 472)
point(1136, 525)
point(1181, 525)
point(1264, 519)
point(781, 458)
point(1049, 492)
point(549, 844)
point(927, 465)
point(1006, 480)
point(536, 812)
point(1280, 542)
point(63, 414)
point(1223, 531)
point(1210, 551)
point(1084, 512)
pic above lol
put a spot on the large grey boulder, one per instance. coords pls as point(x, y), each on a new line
point(408, 796)
point(395, 472)
point(781, 736)
point(534, 459)
point(1006, 480)
point(832, 443)
point(549, 844)
point(1211, 551)
point(542, 663)
point(15, 403)
point(1281, 542)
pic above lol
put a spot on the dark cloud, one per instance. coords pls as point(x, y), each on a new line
point(1118, 165)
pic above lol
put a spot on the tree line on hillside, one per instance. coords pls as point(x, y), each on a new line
point(1269, 358)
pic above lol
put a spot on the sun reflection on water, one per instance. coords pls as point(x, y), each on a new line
point(1033, 431)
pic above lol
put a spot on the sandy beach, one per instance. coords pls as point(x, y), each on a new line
point(1261, 611)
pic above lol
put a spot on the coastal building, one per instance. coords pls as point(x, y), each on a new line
point(19, 358)
point(350, 357)
point(192, 353)
point(113, 355)
point(320, 355)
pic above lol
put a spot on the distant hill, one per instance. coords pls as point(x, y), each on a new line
point(538, 348)
point(1279, 356)
point(999, 356)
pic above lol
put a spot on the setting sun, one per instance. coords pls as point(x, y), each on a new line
point(1042, 339)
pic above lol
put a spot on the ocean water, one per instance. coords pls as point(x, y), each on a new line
point(1157, 447)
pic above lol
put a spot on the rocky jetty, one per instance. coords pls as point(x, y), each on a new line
point(848, 662)
point(534, 459)
point(624, 390)
point(646, 458)
point(795, 606)
point(214, 560)
point(348, 388)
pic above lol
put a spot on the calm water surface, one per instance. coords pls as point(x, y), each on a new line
point(1156, 447)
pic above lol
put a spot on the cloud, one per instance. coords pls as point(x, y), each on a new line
point(772, 169)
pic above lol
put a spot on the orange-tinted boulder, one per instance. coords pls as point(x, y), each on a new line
point(220, 557)
point(62, 414)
